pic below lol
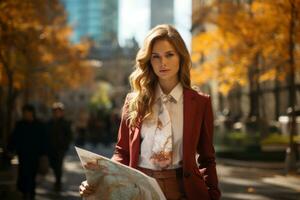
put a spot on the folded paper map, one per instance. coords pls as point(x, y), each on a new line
point(115, 181)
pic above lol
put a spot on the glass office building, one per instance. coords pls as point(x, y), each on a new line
point(95, 19)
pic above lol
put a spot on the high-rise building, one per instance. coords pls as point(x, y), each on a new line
point(95, 19)
point(162, 12)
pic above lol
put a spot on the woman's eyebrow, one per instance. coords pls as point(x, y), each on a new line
point(169, 51)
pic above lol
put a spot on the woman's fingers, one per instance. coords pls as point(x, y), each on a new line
point(202, 171)
point(85, 189)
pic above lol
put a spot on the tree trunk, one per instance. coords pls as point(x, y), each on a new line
point(10, 102)
point(277, 94)
point(8, 99)
point(1, 114)
point(254, 88)
point(221, 102)
point(293, 154)
point(238, 97)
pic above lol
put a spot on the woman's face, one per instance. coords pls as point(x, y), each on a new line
point(165, 61)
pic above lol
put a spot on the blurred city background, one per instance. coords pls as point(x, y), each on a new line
point(246, 55)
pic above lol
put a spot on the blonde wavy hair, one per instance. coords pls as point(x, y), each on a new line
point(143, 79)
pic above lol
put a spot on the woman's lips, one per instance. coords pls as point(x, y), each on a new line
point(164, 70)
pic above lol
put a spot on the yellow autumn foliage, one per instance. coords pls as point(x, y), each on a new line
point(239, 37)
point(35, 47)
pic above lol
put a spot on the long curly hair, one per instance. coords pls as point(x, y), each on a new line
point(143, 80)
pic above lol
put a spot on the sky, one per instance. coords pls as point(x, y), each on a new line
point(134, 16)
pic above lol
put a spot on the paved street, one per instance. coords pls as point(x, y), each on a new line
point(243, 183)
point(257, 184)
point(73, 176)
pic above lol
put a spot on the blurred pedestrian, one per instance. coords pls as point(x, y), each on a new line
point(166, 129)
point(81, 128)
point(28, 141)
point(115, 120)
point(59, 136)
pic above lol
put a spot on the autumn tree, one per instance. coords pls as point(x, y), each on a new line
point(36, 56)
point(250, 43)
point(247, 44)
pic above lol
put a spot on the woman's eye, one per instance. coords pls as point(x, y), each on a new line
point(155, 56)
point(170, 55)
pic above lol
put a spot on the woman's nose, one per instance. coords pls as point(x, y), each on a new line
point(163, 61)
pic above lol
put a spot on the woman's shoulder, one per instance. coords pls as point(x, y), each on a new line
point(195, 91)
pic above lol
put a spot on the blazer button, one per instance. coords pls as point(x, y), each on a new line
point(186, 174)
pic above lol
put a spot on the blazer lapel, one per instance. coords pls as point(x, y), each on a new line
point(135, 145)
point(188, 120)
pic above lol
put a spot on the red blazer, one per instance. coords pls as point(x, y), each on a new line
point(197, 138)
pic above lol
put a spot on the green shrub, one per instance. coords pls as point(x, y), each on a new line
point(278, 139)
point(242, 138)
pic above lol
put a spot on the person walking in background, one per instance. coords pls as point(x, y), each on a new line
point(59, 136)
point(166, 130)
point(114, 121)
point(28, 141)
point(81, 128)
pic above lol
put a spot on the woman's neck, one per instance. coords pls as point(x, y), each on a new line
point(167, 86)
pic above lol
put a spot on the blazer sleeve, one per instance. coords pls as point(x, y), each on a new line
point(121, 153)
point(207, 153)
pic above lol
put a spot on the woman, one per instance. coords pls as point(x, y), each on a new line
point(166, 129)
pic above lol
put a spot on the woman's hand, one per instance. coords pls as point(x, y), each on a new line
point(85, 189)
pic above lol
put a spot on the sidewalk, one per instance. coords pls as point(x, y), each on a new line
point(258, 180)
point(73, 175)
point(8, 179)
point(256, 164)
point(249, 179)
